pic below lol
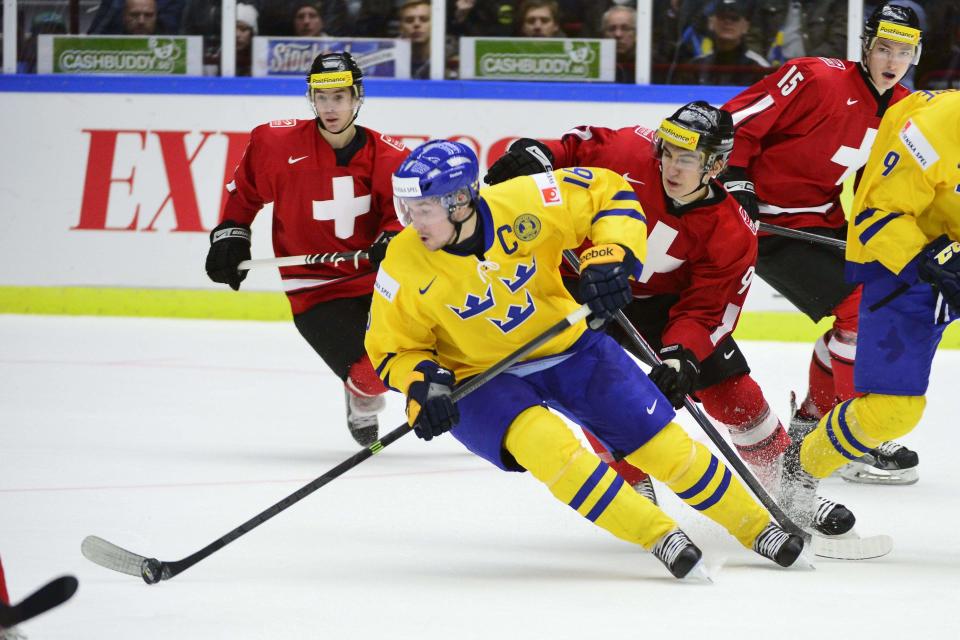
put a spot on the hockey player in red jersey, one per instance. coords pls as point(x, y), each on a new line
point(701, 252)
point(801, 132)
point(329, 182)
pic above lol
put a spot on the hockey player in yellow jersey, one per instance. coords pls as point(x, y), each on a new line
point(473, 277)
point(902, 244)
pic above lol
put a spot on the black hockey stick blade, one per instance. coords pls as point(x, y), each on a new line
point(50, 595)
point(110, 556)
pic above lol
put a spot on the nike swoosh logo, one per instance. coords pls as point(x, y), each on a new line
point(652, 407)
point(627, 177)
point(426, 288)
point(851, 101)
point(729, 354)
point(292, 160)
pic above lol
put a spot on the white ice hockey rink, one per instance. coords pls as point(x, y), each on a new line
point(162, 435)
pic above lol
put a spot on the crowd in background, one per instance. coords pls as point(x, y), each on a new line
point(728, 42)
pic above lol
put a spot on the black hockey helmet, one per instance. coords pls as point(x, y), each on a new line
point(892, 22)
point(335, 71)
point(699, 126)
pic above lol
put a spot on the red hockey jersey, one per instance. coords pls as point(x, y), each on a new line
point(801, 132)
point(704, 252)
point(319, 206)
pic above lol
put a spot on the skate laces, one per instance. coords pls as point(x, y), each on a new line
point(645, 489)
point(889, 449)
point(770, 540)
point(824, 507)
point(669, 546)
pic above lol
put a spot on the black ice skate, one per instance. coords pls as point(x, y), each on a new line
point(890, 463)
point(776, 544)
point(831, 518)
point(645, 488)
point(362, 417)
point(680, 555)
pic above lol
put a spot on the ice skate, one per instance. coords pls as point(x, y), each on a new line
point(645, 488)
point(776, 544)
point(889, 463)
point(11, 634)
point(362, 416)
point(681, 557)
point(798, 489)
point(831, 518)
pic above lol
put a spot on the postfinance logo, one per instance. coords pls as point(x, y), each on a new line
point(677, 135)
point(898, 33)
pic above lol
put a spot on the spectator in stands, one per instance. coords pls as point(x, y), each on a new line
point(679, 29)
point(111, 16)
point(729, 61)
point(539, 19)
point(785, 29)
point(246, 28)
point(140, 17)
point(620, 23)
point(46, 22)
point(414, 16)
point(473, 18)
point(307, 21)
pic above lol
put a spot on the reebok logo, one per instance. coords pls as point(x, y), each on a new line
point(594, 253)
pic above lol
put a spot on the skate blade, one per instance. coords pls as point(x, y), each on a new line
point(873, 475)
point(698, 574)
point(851, 547)
point(804, 561)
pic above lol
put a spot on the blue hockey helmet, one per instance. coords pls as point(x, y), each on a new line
point(439, 169)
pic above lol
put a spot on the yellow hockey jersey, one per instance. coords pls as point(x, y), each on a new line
point(466, 313)
point(909, 193)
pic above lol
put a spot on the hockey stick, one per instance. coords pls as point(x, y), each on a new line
point(314, 258)
point(786, 232)
point(110, 556)
point(50, 595)
point(731, 456)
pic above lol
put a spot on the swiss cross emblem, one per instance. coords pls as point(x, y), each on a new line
point(344, 208)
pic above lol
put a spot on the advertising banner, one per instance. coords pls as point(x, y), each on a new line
point(127, 55)
point(293, 56)
point(551, 59)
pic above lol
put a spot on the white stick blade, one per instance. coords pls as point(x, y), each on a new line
point(108, 555)
point(852, 548)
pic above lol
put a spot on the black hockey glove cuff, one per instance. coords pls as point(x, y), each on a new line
point(677, 374)
point(525, 157)
point(605, 271)
point(940, 266)
point(378, 250)
point(737, 184)
point(229, 246)
point(430, 409)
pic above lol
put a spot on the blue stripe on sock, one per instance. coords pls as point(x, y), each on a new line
point(605, 499)
point(589, 485)
point(703, 481)
point(715, 498)
point(845, 429)
point(833, 438)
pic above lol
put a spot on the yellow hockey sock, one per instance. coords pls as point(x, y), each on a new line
point(854, 427)
point(543, 445)
point(702, 481)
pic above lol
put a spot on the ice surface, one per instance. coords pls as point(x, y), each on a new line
point(162, 435)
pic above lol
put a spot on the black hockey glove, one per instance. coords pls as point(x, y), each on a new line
point(605, 281)
point(940, 266)
point(677, 373)
point(229, 246)
point(737, 184)
point(378, 250)
point(430, 409)
point(525, 157)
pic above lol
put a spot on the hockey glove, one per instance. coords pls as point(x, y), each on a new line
point(229, 246)
point(525, 157)
point(378, 250)
point(737, 184)
point(940, 266)
point(430, 409)
point(677, 373)
point(605, 281)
